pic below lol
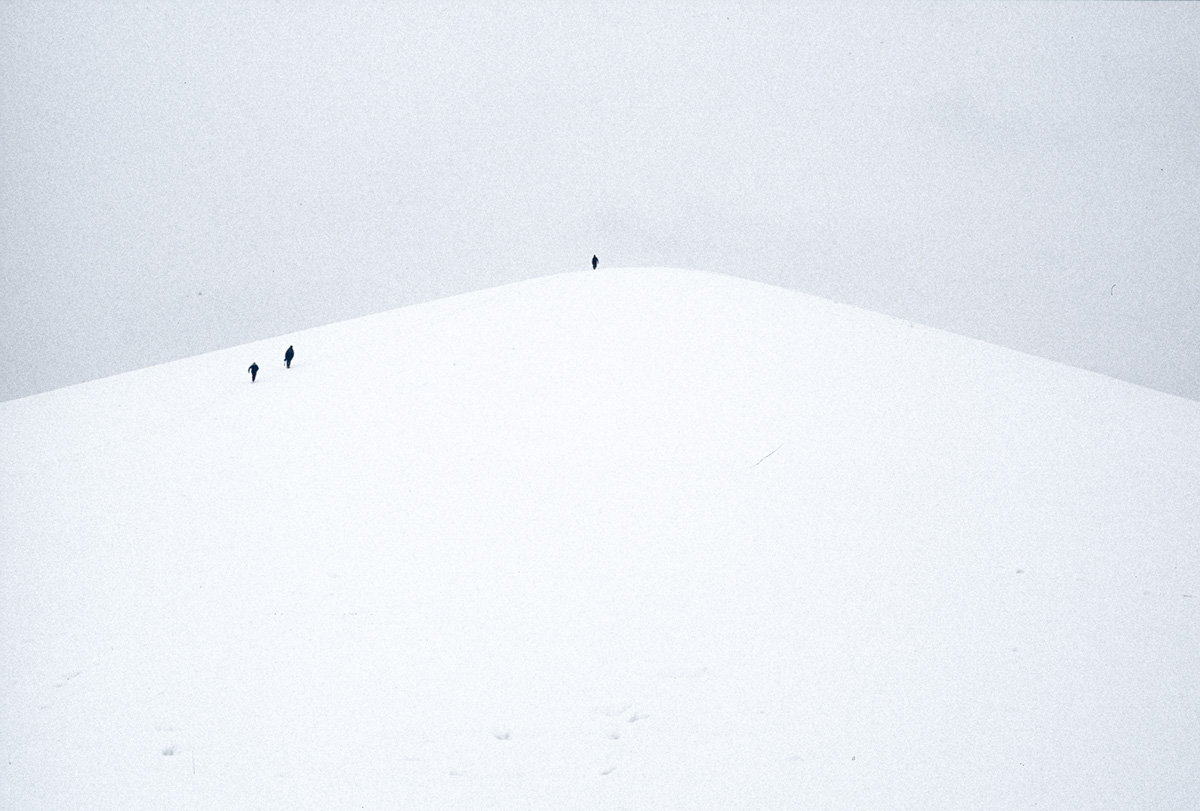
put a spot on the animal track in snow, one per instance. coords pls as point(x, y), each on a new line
point(637, 716)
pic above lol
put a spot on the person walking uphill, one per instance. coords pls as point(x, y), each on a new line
point(595, 262)
point(287, 357)
point(253, 370)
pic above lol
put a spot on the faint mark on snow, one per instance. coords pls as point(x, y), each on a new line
point(760, 461)
point(1020, 571)
point(1190, 596)
point(502, 733)
point(609, 770)
point(615, 735)
point(613, 710)
point(66, 677)
point(168, 751)
point(637, 716)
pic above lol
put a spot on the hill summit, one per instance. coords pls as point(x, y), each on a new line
point(623, 538)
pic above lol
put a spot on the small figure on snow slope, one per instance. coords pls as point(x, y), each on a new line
point(287, 356)
point(253, 370)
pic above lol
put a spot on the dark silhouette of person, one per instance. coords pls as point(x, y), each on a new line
point(253, 370)
point(595, 262)
point(287, 357)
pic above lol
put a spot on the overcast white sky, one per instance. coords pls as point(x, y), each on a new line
point(180, 177)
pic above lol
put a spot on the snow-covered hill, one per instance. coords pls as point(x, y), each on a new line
point(620, 539)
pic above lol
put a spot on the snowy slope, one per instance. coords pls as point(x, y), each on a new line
point(619, 539)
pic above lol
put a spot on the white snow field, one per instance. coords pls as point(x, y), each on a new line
point(639, 539)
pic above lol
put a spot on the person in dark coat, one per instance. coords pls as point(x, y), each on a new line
point(287, 357)
point(595, 262)
point(253, 370)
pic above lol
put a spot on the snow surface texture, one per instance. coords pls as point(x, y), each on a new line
point(618, 539)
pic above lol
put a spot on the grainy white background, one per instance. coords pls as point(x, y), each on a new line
point(177, 177)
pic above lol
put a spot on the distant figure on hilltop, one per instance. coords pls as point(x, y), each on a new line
point(595, 262)
point(287, 357)
point(253, 370)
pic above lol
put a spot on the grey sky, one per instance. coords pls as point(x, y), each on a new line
point(180, 177)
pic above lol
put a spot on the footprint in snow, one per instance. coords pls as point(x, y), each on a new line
point(66, 677)
point(637, 716)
